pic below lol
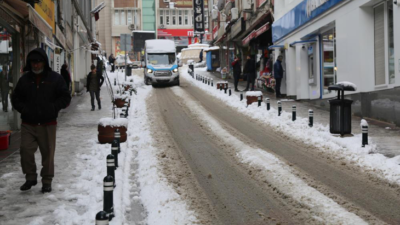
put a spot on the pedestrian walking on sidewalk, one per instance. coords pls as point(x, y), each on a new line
point(201, 56)
point(65, 74)
point(39, 95)
point(93, 84)
point(111, 60)
point(278, 75)
point(5, 87)
point(237, 70)
point(250, 70)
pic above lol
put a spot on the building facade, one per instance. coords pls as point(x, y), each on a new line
point(329, 41)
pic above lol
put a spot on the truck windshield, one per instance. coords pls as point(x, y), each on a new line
point(161, 58)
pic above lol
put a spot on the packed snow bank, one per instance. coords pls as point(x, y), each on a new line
point(276, 172)
point(254, 93)
point(118, 122)
point(348, 149)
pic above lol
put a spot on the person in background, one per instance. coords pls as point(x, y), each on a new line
point(39, 95)
point(278, 75)
point(201, 56)
point(111, 59)
point(5, 88)
point(99, 67)
point(65, 74)
point(250, 70)
point(93, 84)
point(237, 70)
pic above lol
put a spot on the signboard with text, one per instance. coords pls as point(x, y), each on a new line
point(198, 11)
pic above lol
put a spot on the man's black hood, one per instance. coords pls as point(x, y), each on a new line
point(42, 53)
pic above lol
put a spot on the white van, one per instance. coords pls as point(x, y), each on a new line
point(160, 64)
point(120, 61)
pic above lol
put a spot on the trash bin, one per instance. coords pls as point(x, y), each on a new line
point(340, 110)
point(191, 68)
point(129, 70)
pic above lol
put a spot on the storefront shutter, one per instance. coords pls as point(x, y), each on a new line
point(379, 45)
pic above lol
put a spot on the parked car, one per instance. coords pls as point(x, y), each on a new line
point(120, 61)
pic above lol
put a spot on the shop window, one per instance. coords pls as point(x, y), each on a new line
point(167, 17)
point(384, 44)
point(329, 59)
point(186, 17)
point(116, 17)
point(173, 17)
point(129, 17)
point(123, 19)
point(161, 16)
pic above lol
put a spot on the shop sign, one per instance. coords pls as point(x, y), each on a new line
point(313, 5)
point(46, 10)
point(215, 32)
point(60, 37)
point(40, 23)
point(198, 10)
point(237, 27)
point(176, 32)
point(255, 34)
point(57, 60)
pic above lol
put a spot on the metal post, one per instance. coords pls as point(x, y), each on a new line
point(115, 81)
point(101, 218)
point(310, 118)
point(294, 113)
point(114, 151)
point(212, 82)
point(259, 101)
point(241, 96)
point(364, 130)
point(111, 167)
point(279, 108)
point(208, 81)
point(220, 86)
point(267, 102)
point(108, 204)
point(117, 136)
point(230, 91)
point(225, 88)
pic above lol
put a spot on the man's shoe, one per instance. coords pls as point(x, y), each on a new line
point(46, 188)
point(237, 90)
point(92, 109)
point(27, 185)
point(99, 107)
point(246, 89)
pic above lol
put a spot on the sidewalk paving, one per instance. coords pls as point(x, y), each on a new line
point(385, 135)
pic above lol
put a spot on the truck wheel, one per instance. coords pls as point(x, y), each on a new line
point(177, 83)
point(146, 81)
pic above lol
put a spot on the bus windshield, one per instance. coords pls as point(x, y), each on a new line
point(161, 58)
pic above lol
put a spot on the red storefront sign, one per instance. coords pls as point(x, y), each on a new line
point(215, 32)
point(176, 32)
point(255, 33)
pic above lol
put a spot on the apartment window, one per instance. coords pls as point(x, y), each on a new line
point(206, 19)
point(123, 18)
point(167, 22)
point(180, 17)
point(384, 44)
point(116, 17)
point(129, 17)
point(161, 16)
point(186, 17)
point(173, 17)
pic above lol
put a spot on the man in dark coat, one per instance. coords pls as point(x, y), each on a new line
point(65, 74)
point(99, 67)
point(237, 70)
point(5, 87)
point(201, 56)
point(250, 70)
point(278, 75)
point(111, 60)
point(93, 84)
point(39, 95)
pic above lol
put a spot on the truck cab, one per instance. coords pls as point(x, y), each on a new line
point(160, 63)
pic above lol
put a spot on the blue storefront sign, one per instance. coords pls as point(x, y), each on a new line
point(300, 15)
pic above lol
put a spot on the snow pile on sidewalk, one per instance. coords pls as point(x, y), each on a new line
point(348, 149)
point(276, 172)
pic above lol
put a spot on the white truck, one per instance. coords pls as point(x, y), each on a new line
point(160, 64)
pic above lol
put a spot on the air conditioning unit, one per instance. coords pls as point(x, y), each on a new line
point(132, 27)
point(166, 1)
point(162, 26)
point(247, 5)
point(235, 13)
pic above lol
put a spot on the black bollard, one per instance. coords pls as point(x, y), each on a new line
point(267, 102)
point(220, 87)
point(117, 92)
point(111, 167)
point(230, 91)
point(259, 101)
point(212, 82)
point(130, 92)
point(101, 218)
point(108, 204)
point(117, 136)
point(208, 81)
point(294, 113)
point(225, 89)
point(115, 81)
point(114, 151)
point(310, 117)
point(279, 108)
point(126, 113)
point(364, 129)
point(241, 96)
point(121, 115)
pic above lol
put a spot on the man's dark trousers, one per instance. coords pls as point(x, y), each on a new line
point(278, 87)
point(250, 80)
point(236, 78)
point(32, 137)
point(92, 94)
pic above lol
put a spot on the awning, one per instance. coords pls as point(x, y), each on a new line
point(40, 23)
point(19, 6)
point(255, 34)
point(275, 46)
point(302, 42)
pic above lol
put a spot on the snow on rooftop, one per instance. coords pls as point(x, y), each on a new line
point(118, 122)
point(199, 45)
point(160, 45)
point(254, 93)
point(347, 84)
point(211, 48)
